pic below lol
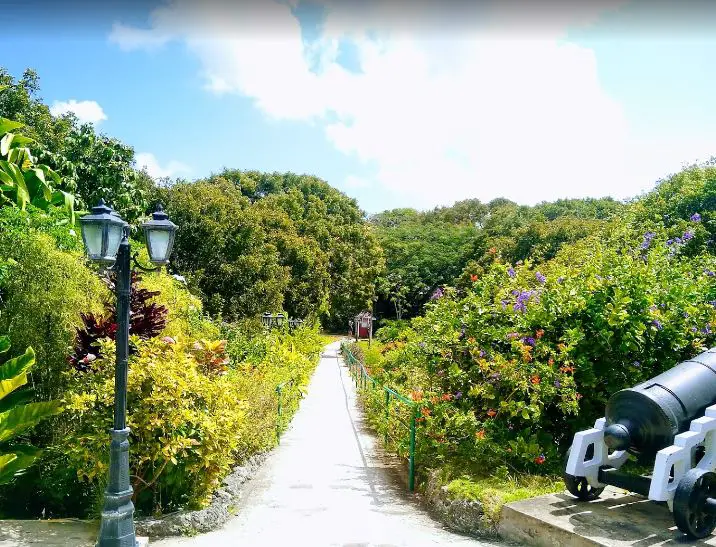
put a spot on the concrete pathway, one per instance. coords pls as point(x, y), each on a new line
point(325, 485)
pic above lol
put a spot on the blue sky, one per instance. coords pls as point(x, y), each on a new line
point(394, 107)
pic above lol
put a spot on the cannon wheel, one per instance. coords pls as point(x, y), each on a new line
point(690, 512)
point(579, 486)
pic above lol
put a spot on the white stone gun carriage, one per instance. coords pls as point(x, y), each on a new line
point(669, 420)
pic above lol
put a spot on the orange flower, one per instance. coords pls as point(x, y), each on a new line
point(473, 277)
point(550, 361)
point(561, 347)
point(493, 250)
point(471, 340)
point(480, 434)
point(566, 368)
point(416, 395)
point(446, 396)
point(540, 459)
point(535, 380)
point(539, 333)
point(579, 396)
point(492, 413)
point(434, 400)
point(425, 411)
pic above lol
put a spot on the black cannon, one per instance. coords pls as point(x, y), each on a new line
point(667, 421)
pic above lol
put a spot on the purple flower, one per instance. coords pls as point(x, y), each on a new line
point(686, 315)
point(706, 329)
point(677, 240)
point(511, 272)
point(495, 376)
point(438, 293)
point(657, 324)
point(687, 236)
point(482, 353)
point(696, 217)
point(653, 307)
point(669, 241)
point(458, 395)
point(647, 240)
point(713, 303)
point(560, 279)
point(557, 383)
point(504, 304)
point(529, 341)
point(694, 329)
point(541, 278)
point(709, 272)
point(637, 364)
point(422, 344)
point(515, 292)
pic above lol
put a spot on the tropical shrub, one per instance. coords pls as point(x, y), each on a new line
point(184, 424)
point(147, 319)
point(506, 372)
point(17, 415)
point(45, 285)
point(22, 180)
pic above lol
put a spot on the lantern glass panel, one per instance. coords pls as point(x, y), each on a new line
point(92, 235)
point(158, 243)
point(114, 238)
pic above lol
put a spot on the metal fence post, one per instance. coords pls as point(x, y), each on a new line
point(411, 462)
point(387, 417)
point(278, 417)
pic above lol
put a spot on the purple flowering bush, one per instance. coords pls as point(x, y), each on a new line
point(507, 370)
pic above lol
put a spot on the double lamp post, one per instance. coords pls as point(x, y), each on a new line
point(106, 239)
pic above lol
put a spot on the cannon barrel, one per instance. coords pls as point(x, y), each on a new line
point(644, 419)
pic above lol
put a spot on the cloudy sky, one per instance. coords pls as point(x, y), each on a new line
point(397, 103)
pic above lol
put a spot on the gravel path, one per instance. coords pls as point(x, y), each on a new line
point(326, 484)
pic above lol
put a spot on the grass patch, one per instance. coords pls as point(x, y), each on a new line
point(330, 338)
point(494, 492)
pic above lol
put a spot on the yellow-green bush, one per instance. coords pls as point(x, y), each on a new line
point(185, 424)
point(186, 317)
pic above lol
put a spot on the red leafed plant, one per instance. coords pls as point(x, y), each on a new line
point(146, 320)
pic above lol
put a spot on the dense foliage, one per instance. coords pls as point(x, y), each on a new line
point(17, 415)
point(507, 368)
point(276, 241)
point(427, 250)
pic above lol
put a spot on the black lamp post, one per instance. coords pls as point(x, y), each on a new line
point(266, 319)
point(280, 319)
point(106, 238)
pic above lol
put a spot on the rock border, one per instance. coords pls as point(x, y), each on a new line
point(221, 508)
point(462, 516)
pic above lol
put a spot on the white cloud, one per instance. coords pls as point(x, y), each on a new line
point(444, 111)
point(86, 111)
point(155, 170)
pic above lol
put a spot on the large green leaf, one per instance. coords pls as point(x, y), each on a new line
point(4, 343)
point(16, 398)
point(19, 419)
point(22, 196)
point(17, 460)
point(8, 125)
point(11, 384)
point(37, 186)
point(17, 365)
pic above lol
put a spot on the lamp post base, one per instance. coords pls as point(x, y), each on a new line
point(117, 525)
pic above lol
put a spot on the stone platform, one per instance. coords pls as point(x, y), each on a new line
point(616, 519)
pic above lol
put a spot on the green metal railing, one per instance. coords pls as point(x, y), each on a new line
point(363, 381)
point(280, 426)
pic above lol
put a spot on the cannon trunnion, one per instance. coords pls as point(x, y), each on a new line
point(669, 421)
